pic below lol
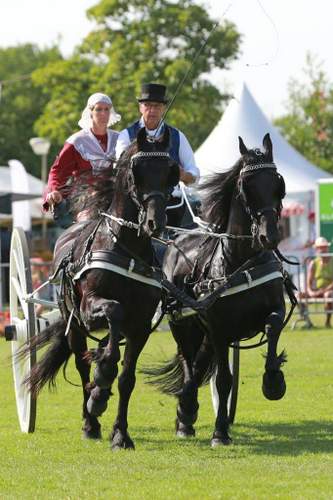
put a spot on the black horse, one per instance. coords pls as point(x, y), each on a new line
point(237, 273)
point(110, 283)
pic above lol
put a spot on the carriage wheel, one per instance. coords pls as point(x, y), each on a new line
point(23, 325)
point(232, 400)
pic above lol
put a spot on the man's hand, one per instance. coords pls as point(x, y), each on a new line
point(53, 198)
point(186, 177)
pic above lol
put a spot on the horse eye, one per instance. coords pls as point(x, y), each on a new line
point(258, 152)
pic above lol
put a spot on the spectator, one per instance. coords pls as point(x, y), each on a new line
point(39, 274)
point(319, 282)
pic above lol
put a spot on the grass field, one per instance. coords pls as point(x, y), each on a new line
point(281, 449)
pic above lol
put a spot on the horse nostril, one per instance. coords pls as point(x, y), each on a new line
point(262, 239)
point(151, 225)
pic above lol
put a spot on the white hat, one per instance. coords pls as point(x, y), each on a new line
point(85, 121)
point(321, 242)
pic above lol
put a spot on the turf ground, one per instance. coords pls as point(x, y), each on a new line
point(281, 449)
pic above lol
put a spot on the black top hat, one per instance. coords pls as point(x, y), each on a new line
point(153, 92)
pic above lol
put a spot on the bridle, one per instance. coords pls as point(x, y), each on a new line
point(256, 215)
point(140, 200)
point(147, 155)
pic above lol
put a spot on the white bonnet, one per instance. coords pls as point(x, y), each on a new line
point(85, 121)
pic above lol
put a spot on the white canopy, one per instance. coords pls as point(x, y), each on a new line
point(243, 117)
point(35, 185)
point(18, 193)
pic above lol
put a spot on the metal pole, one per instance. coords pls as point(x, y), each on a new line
point(44, 179)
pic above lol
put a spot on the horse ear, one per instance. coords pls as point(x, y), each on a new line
point(141, 138)
point(242, 147)
point(282, 187)
point(268, 146)
point(166, 139)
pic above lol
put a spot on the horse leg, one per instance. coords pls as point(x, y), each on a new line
point(119, 438)
point(77, 340)
point(194, 373)
point(223, 386)
point(106, 357)
point(273, 383)
point(188, 406)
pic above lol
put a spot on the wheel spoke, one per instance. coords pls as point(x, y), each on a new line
point(17, 260)
point(20, 296)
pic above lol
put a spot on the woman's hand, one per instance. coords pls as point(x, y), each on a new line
point(53, 198)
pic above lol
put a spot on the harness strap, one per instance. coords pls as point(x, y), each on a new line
point(128, 267)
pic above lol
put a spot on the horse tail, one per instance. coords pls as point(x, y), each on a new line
point(167, 376)
point(56, 355)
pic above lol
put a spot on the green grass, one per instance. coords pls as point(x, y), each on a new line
point(281, 449)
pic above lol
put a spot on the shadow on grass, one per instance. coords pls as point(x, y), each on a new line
point(290, 438)
point(283, 439)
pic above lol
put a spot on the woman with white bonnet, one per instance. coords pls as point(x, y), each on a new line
point(92, 148)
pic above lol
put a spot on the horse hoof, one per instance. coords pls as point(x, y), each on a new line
point(117, 447)
point(217, 442)
point(274, 385)
point(184, 434)
point(94, 434)
point(119, 441)
point(184, 431)
point(220, 439)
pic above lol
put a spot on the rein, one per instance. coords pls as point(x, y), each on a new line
point(203, 303)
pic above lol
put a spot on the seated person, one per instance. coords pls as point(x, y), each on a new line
point(152, 107)
point(91, 150)
point(319, 282)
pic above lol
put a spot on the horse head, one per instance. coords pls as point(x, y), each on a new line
point(261, 190)
point(155, 174)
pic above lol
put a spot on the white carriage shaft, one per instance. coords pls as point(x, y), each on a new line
point(23, 325)
point(232, 399)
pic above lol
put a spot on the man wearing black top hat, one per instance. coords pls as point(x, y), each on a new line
point(152, 105)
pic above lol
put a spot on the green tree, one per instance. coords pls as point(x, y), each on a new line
point(21, 101)
point(137, 42)
point(308, 124)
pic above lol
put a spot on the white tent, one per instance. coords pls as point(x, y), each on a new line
point(243, 117)
point(35, 186)
point(33, 193)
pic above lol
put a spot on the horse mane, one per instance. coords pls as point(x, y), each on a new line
point(217, 192)
point(95, 192)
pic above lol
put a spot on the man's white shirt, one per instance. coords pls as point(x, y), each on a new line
point(186, 156)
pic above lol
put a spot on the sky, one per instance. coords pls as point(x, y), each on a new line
point(277, 35)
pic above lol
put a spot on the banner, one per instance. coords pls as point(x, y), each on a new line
point(324, 209)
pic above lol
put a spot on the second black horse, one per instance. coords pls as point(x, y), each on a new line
point(243, 206)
